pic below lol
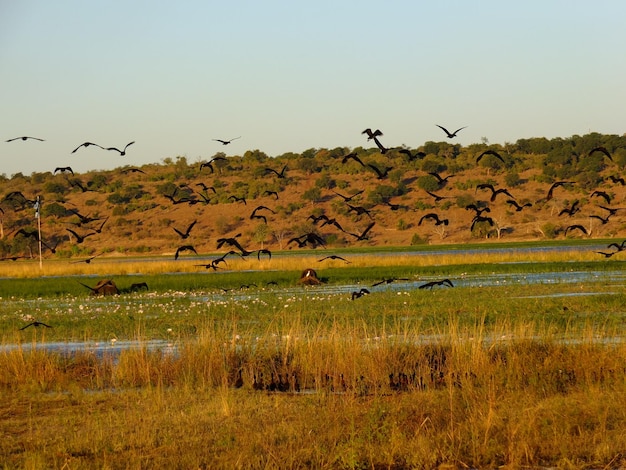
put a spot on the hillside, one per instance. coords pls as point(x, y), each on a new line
point(136, 210)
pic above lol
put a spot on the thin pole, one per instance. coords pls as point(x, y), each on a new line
point(38, 216)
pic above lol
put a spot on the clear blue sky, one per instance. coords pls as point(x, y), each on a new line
point(287, 76)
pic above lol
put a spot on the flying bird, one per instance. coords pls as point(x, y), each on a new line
point(518, 207)
point(382, 174)
point(372, 134)
point(180, 249)
point(390, 280)
point(435, 217)
point(360, 293)
point(63, 169)
point(494, 191)
point(270, 193)
point(431, 284)
point(25, 138)
point(602, 150)
point(479, 218)
point(449, 134)
point(263, 251)
point(576, 227)
point(412, 156)
point(555, 185)
point(333, 257)
point(573, 209)
point(80, 238)
point(617, 179)
point(363, 235)
point(352, 156)
point(226, 142)
point(348, 198)
point(603, 195)
point(440, 179)
point(437, 197)
point(123, 151)
point(490, 152)
point(133, 170)
point(280, 174)
point(87, 144)
point(184, 235)
point(35, 324)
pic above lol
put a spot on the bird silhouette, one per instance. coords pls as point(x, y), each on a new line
point(555, 185)
point(209, 164)
point(309, 238)
point(36, 324)
point(123, 151)
point(80, 238)
point(381, 174)
point(63, 169)
point(352, 156)
point(280, 174)
point(435, 218)
point(617, 180)
point(437, 197)
point(479, 218)
point(605, 254)
point(232, 241)
point(372, 134)
point(412, 156)
point(363, 235)
point(348, 198)
point(450, 135)
point(184, 235)
point(359, 210)
point(25, 138)
point(270, 193)
point(494, 191)
point(518, 207)
point(86, 261)
point(335, 257)
point(390, 280)
point(601, 150)
point(226, 142)
point(576, 227)
point(87, 144)
point(490, 152)
point(603, 220)
point(263, 251)
point(99, 229)
point(180, 249)
point(431, 284)
point(440, 180)
point(603, 195)
point(360, 293)
point(133, 170)
point(573, 209)
point(238, 199)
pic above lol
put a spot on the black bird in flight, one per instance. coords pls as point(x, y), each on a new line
point(449, 134)
point(602, 150)
point(555, 185)
point(437, 197)
point(254, 214)
point(440, 180)
point(352, 156)
point(180, 249)
point(25, 138)
point(280, 174)
point(576, 227)
point(603, 195)
point(431, 284)
point(133, 170)
point(209, 164)
point(573, 209)
point(605, 254)
point(232, 241)
point(363, 235)
point(348, 198)
point(270, 193)
point(86, 261)
point(604, 220)
point(494, 191)
point(381, 174)
point(390, 280)
point(310, 238)
point(518, 207)
point(226, 142)
point(617, 179)
point(372, 134)
point(238, 199)
point(99, 229)
point(412, 156)
point(333, 257)
point(360, 293)
point(490, 152)
point(80, 238)
point(359, 210)
point(87, 144)
point(123, 151)
point(35, 324)
point(479, 218)
point(435, 217)
point(184, 235)
point(263, 251)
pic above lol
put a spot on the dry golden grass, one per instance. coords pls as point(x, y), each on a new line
point(469, 399)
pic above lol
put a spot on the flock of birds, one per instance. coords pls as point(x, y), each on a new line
point(184, 194)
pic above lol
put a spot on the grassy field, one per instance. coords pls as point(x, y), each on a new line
point(283, 376)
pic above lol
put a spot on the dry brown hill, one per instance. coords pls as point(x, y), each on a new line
point(140, 210)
